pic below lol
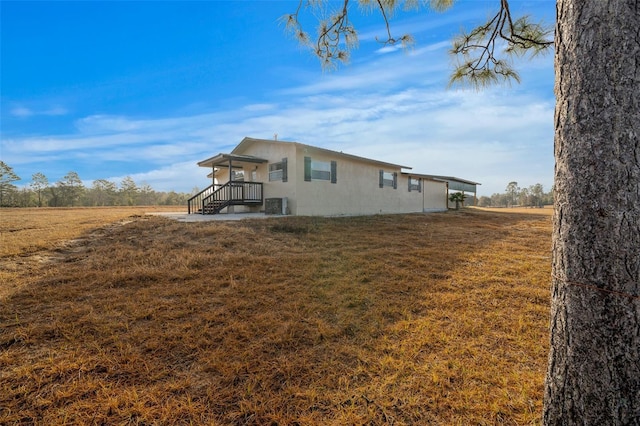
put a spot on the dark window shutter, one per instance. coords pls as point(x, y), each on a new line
point(307, 169)
point(334, 169)
point(419, 185)
point(395, 180)
point(409, 177)
point(381, 178)
point(284, 170)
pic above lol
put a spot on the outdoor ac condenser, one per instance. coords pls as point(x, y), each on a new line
point(276, 206)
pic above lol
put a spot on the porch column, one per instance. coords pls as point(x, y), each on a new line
point(230, 208)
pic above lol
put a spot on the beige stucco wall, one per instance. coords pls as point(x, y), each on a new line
point(435, 195)
point(274, 152)
point(356, 191)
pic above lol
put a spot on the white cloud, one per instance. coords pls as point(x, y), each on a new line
point(259, 107)
point(181, 176)
point(21, 112)
point(56, 110)
point(390, 107)
point(389, 49)
point(24, 112)
point(486, 137)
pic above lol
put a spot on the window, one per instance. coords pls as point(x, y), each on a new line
point(320, 170)
point(415, 184)
point(388, 179)
point(278, 171)
point(237, 175)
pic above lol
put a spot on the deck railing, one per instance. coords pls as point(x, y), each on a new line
point(216, 197)
point(194, 204)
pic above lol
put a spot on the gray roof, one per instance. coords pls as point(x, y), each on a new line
point(248, 140)
point(222, 160)
point(452, 179)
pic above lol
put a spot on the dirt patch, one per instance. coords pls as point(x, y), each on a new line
point(17, 272)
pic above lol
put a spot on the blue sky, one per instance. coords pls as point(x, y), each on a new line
point(147, 89)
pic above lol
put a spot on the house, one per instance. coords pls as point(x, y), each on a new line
point(293, 178)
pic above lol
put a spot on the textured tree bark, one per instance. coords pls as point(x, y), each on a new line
point(593, 375)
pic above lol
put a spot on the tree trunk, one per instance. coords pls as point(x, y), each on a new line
point(593, 375)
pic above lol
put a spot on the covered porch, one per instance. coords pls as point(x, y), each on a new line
point(240, 188)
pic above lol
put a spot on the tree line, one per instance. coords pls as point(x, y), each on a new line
point(514, 195)
point(70, 191)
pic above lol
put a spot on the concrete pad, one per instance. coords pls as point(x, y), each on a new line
point(183, 217)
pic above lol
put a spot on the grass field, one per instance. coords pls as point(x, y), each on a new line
point(115, 317)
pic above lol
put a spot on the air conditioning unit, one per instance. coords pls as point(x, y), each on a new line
point(276, 206)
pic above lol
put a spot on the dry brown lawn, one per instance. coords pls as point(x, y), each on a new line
point(31, 236)
point(545, 211)
point(399, 319)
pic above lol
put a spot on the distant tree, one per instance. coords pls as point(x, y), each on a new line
point(39, 183)
point(173, 198)
point(499, 200)
point(22, 198)
point(484, 201)
point(54, 196)
point(512, 191)
point(7, 188)
point(547, 198)
point(128, 191)
point(70, 188)
point(146, 195)
point(536, 193)
point(103, 192)
point(524, 197)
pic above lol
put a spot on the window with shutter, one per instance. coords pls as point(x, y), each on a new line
point(285, 175)
point(388, 179)
point(320, 170)
point(415, 184)
point(307, 169)
point(334, 172)
point(278, 171)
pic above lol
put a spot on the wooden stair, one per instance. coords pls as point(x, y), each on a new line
point(214, 207)
point(213, 199)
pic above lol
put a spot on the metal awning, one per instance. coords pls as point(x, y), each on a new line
point(226, 160)
point(456, 184)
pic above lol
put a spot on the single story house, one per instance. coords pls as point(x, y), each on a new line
point(280, 177)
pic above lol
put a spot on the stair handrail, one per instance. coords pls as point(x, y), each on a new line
point(221, 193)
point(196, 200)
point(224, 195)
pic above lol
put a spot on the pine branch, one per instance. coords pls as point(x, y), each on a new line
point(477, 52)
point(480, 65)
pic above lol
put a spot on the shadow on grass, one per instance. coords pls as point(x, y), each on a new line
point(400, 319)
